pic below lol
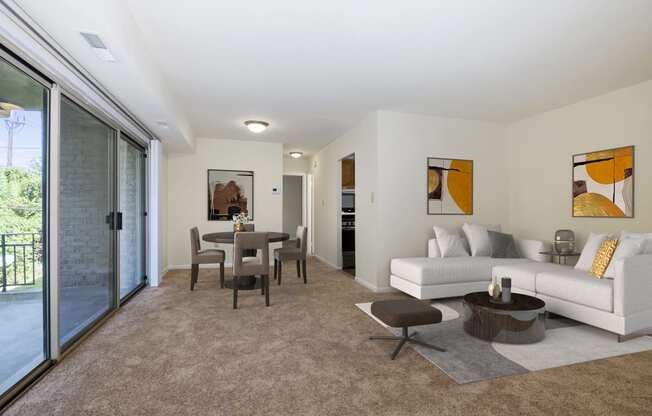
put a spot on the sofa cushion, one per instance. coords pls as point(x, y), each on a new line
point(503, 246)
point(523, 274)
point(589, 251)
point(451, 243)
point(445, 270)
point(647, 247)
point(576, 286)
point(478, 238)
point(627, 247)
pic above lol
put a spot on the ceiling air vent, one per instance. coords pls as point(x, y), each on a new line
point(98, 46)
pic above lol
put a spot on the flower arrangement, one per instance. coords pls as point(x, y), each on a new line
point(239, 221)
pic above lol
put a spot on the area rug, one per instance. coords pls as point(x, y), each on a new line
point(468, 359)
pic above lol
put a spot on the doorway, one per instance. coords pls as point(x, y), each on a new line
point(347, 214)
point(293, 203)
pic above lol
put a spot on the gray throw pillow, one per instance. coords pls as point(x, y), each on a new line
point(503, 246)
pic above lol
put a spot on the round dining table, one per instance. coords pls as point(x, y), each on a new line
point(227, 237)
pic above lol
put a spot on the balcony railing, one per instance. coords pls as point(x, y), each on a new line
point(22, 259)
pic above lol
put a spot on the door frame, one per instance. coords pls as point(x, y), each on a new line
point(143, 184)
point(50, 319)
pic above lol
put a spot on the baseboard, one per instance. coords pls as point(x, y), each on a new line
point(374, 288)
point(323, 260)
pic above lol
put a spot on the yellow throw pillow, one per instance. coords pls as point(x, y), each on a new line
point(603, 258)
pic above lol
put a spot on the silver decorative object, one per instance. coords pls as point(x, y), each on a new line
point(564, 242)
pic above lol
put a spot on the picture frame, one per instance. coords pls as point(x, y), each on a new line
point(603, 183)
point(230, 192)
point(449, 186)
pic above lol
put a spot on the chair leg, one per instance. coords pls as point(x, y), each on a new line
point(275, 268)
point(262, 284)
point(222, 275)
point(398, 348)
point(235, 292)
point(405, 338)
point(194, 272)
point(266, 283)
point(298, 269)
point(280, 271)
point(305, 272)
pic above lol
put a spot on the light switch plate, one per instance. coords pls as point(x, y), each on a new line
point(276, 191)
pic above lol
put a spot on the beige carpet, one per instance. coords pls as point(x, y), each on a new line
point(175, 352)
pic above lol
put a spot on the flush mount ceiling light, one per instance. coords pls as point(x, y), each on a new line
point(296, 155)
point(256, 126)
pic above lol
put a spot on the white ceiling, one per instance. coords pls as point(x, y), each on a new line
point(313, 69)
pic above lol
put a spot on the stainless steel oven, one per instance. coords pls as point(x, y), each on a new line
point(348, 241)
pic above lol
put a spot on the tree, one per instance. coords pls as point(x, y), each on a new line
point(21, 202)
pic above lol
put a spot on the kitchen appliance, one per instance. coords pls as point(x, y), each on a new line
point(348, 241)
point(348, 201)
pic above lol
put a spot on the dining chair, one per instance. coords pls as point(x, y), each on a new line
point(250, 266)
point(250, 228)
point(199, 256)
point(295, 250)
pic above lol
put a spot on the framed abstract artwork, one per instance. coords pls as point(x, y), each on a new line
point(603, 183)
point(450, 186)
point(230, 192)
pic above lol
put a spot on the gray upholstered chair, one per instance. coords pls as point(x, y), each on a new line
point(250, 253)
point(297, 251)
point(250, 266)
point(199, 256)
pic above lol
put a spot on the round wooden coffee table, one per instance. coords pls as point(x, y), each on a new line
point(521, 322)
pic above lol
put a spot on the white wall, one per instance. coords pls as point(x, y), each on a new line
point(405, 141)
point(298, 166)
point(188, 195)
point(540, 151)
point(361, 140)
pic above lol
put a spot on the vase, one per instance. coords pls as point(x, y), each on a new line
point(494, 290)
point(239, 227)
point(506, 295)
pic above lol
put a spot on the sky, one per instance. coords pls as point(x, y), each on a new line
point(28, 142)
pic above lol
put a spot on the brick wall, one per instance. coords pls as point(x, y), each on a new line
point(84, 235)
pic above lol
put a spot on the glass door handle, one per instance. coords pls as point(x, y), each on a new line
point(118, 220)
point(114, 220)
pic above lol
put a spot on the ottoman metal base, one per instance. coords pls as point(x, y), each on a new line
point(406, 338)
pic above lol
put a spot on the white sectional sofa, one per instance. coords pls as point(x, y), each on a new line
point(436, 277)
point(622, 305)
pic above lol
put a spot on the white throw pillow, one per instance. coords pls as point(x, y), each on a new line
point(478, 238)
point(451, 243)
point(433, 248)
point(627, 247)
point(647, 245)
point(590, 250)
point(452, 246)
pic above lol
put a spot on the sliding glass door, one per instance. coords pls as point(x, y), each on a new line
point(23, 277)
point(99, 209)
point(86, 221)
point(131, 215)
